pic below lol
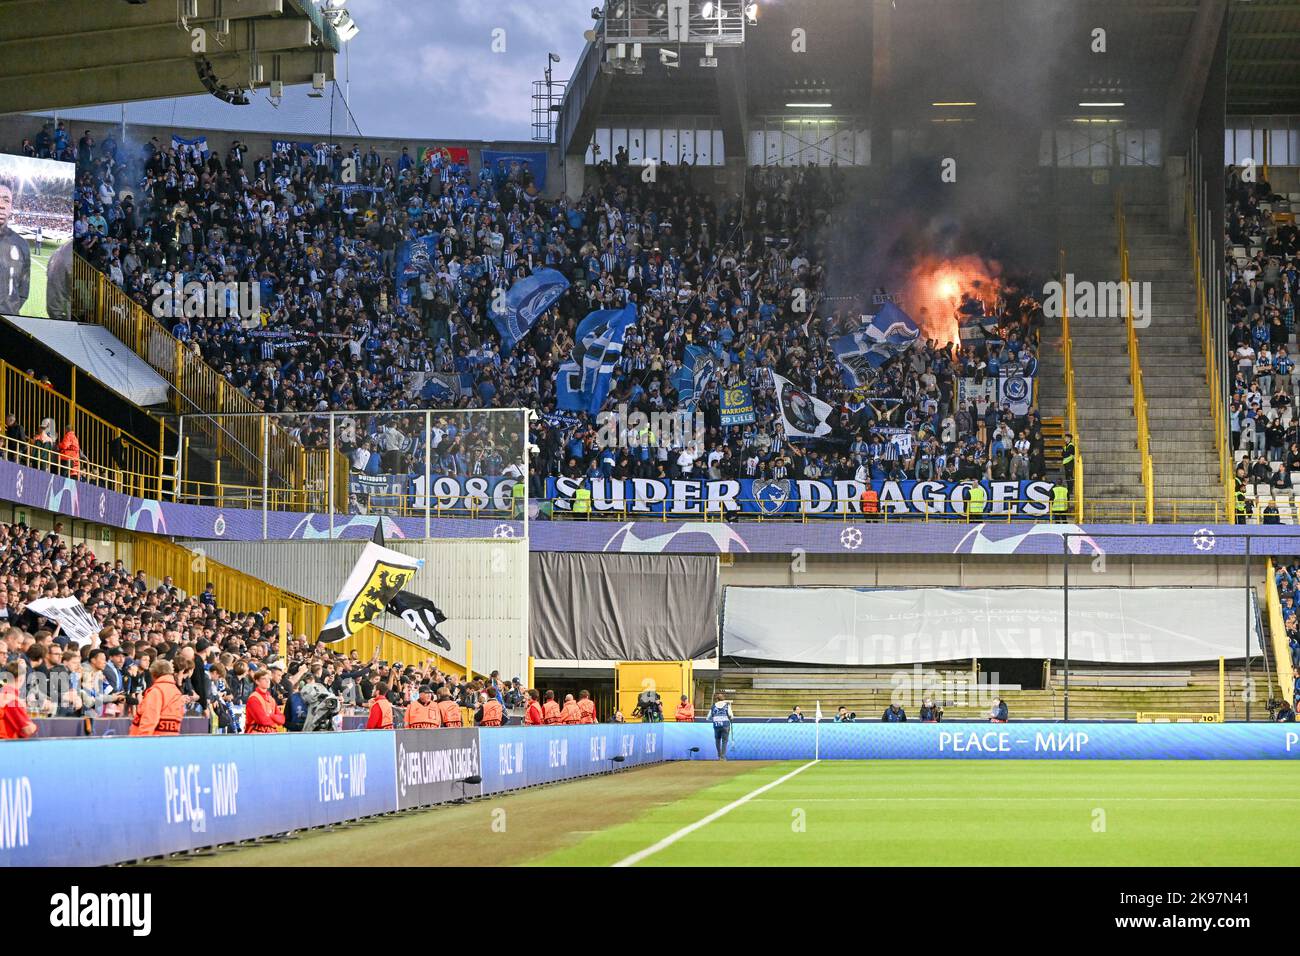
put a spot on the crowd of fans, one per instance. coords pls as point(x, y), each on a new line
point(216, 654)
point(338, 329)
point(1286, 578)
point(1262, 270)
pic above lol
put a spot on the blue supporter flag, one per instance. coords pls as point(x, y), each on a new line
point(582, 383)
point(879, 338)
point(414, 258)
point(694, 376)
point(525, 302)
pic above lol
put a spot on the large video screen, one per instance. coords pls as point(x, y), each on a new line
point(35, 235)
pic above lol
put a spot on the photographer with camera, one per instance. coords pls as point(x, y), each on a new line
point(931, 713)
point(1285, 712)
point(649, 706)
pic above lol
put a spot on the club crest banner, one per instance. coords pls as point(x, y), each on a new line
point(736, 405)
point(375, 580)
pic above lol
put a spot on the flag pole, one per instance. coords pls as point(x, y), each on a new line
point(817, 734)
point(284, 637)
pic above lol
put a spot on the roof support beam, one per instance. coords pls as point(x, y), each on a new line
point(733, 102)
point(1188, 86)
point(162, 78)
point(118, 48)
point(28, 19)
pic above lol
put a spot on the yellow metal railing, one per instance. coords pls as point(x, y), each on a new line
point(191, 570)
point(1135, 369)
point(1211, 349)
point(219, 413)
point(1277, 634)
point(1071, 408)
point(109, 455)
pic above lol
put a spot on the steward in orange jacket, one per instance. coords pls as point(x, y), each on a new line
point(870, 501)
point(449, 709)
point(586, 708)
point(551, 710)
point(162, 706)
point(70, 453)
point(685, 710)
point(570, 714)
point(381, 710)
point(533, 715)
point(422, 713)
point(490, 712)
point(261, 714)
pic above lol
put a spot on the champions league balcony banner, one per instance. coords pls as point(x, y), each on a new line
point(764, 496)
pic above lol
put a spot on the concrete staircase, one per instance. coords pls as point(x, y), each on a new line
point(1103, 393)
point(1187, 481)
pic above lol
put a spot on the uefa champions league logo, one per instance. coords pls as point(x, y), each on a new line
point(851, 538)
point(1203, 539)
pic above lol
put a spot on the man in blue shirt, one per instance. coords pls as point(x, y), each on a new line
point(796, 716)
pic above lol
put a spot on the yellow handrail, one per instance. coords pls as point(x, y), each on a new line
point(199, 388)
point(1071, 409)
point(191, 570)
point(1277, 633)
point(105, 448)
point(1211, 350)
point(1135, 369)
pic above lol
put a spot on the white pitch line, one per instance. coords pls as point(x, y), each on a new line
point(672, 838)
point(911, 798)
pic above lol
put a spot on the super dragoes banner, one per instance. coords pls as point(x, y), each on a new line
point(764, 496)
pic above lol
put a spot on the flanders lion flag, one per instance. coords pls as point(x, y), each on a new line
point(375, 580)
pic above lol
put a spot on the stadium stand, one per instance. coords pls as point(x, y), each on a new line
point(152, 617)
point(1262, 268)
point(1096, 693)
point(337, 329)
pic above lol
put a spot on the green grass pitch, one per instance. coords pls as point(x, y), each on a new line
point(885, 813)
point(977, 813)
point(35, 305)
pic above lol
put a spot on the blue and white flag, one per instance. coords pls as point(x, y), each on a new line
point(582, 383)
point(440, 387)
point(892, 326)
point(415, 258)
point(1016, 390)
point(879, 338)
point(525, 302)
point(859, 356)
point(196, 147)
point(694, 376)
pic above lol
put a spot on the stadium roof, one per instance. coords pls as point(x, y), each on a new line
point(65, 53)
point(889, 61)
point(1264, 57)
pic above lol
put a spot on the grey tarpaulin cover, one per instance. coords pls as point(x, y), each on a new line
point(101, 354)
point(629, 607)
point(916, 625)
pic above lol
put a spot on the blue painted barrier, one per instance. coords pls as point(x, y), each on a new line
point(86, 802)
point(1011, 741)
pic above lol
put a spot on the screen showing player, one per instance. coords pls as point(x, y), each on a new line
point(35, 236)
